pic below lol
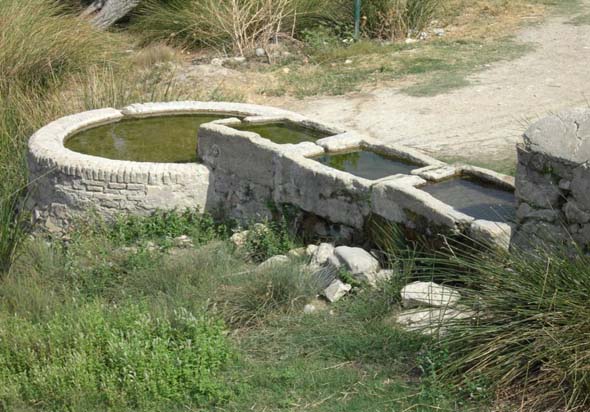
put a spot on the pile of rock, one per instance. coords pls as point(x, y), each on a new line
point(430, 307)
point(329, 262)
point(336, 268)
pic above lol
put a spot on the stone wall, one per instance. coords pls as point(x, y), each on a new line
point(250, 173)
point(553, 183)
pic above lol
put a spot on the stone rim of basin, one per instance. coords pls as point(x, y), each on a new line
point(48, 143)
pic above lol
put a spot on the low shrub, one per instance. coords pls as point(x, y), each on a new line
point(40, 43)
point(164, 226)
point(239, 25)
point(269, 239)
point(263, 292)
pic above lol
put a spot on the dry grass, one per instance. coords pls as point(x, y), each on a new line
point(489, 19)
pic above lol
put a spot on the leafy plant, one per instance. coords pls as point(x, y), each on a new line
point(269, 239)
point(95, 355)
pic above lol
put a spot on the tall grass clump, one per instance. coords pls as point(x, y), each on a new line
point(230, 25)
point(40, 42)
point(531, 339)
point(394, 19)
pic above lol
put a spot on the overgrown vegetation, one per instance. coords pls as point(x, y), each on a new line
point(117, 317)
point(530, 339)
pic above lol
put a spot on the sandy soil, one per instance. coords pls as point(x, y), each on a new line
point(482, 121)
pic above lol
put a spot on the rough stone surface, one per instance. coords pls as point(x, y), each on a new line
point(274, 261)
point(553, 183)
point(494, 234)
point(337, 290)
point(360, 263)
point(431, 321)
point(428, 294)
point(322, 254)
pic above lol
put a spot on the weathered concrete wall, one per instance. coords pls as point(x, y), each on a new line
point(553, 183)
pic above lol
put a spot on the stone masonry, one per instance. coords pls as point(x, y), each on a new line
point(553, 183)
point(244, 175)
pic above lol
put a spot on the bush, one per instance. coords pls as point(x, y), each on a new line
point(394, 19)
point(241, 25)
point(40, 43)
point(96, 356)
point(263, 292)
point(266, 240)
point(531, 340)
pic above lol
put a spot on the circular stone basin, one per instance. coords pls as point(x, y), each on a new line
point(165, 139)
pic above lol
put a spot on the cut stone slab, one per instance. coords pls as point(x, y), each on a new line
point(297, 253)
point(431, 321)
point(336, 290)
point(428, 294)
point(183, 241)
point(357, 260)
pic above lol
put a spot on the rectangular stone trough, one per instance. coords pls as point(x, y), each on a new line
point(251, 172)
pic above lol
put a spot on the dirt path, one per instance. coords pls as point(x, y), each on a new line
point(482, 121)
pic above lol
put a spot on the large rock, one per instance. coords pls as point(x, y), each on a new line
point(322, 254)
point(431, 321)
point(274, 261)
point(428, 294)
point(336, 290)
point(356, 260)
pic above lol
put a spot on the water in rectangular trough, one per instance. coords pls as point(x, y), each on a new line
point(367, 164)
point(475, 198)
point(284, 133)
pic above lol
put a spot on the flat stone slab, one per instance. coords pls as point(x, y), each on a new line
point(428, 294)
point(431, 321)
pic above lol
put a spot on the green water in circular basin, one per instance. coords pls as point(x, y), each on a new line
point(163, 139)
point(284, 133)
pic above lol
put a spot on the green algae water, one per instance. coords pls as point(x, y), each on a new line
point(475, 198)
point(367, 164)
point(162, 139)
point(284, 133)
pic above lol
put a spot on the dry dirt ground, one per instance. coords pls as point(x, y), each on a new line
point(482, 121)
